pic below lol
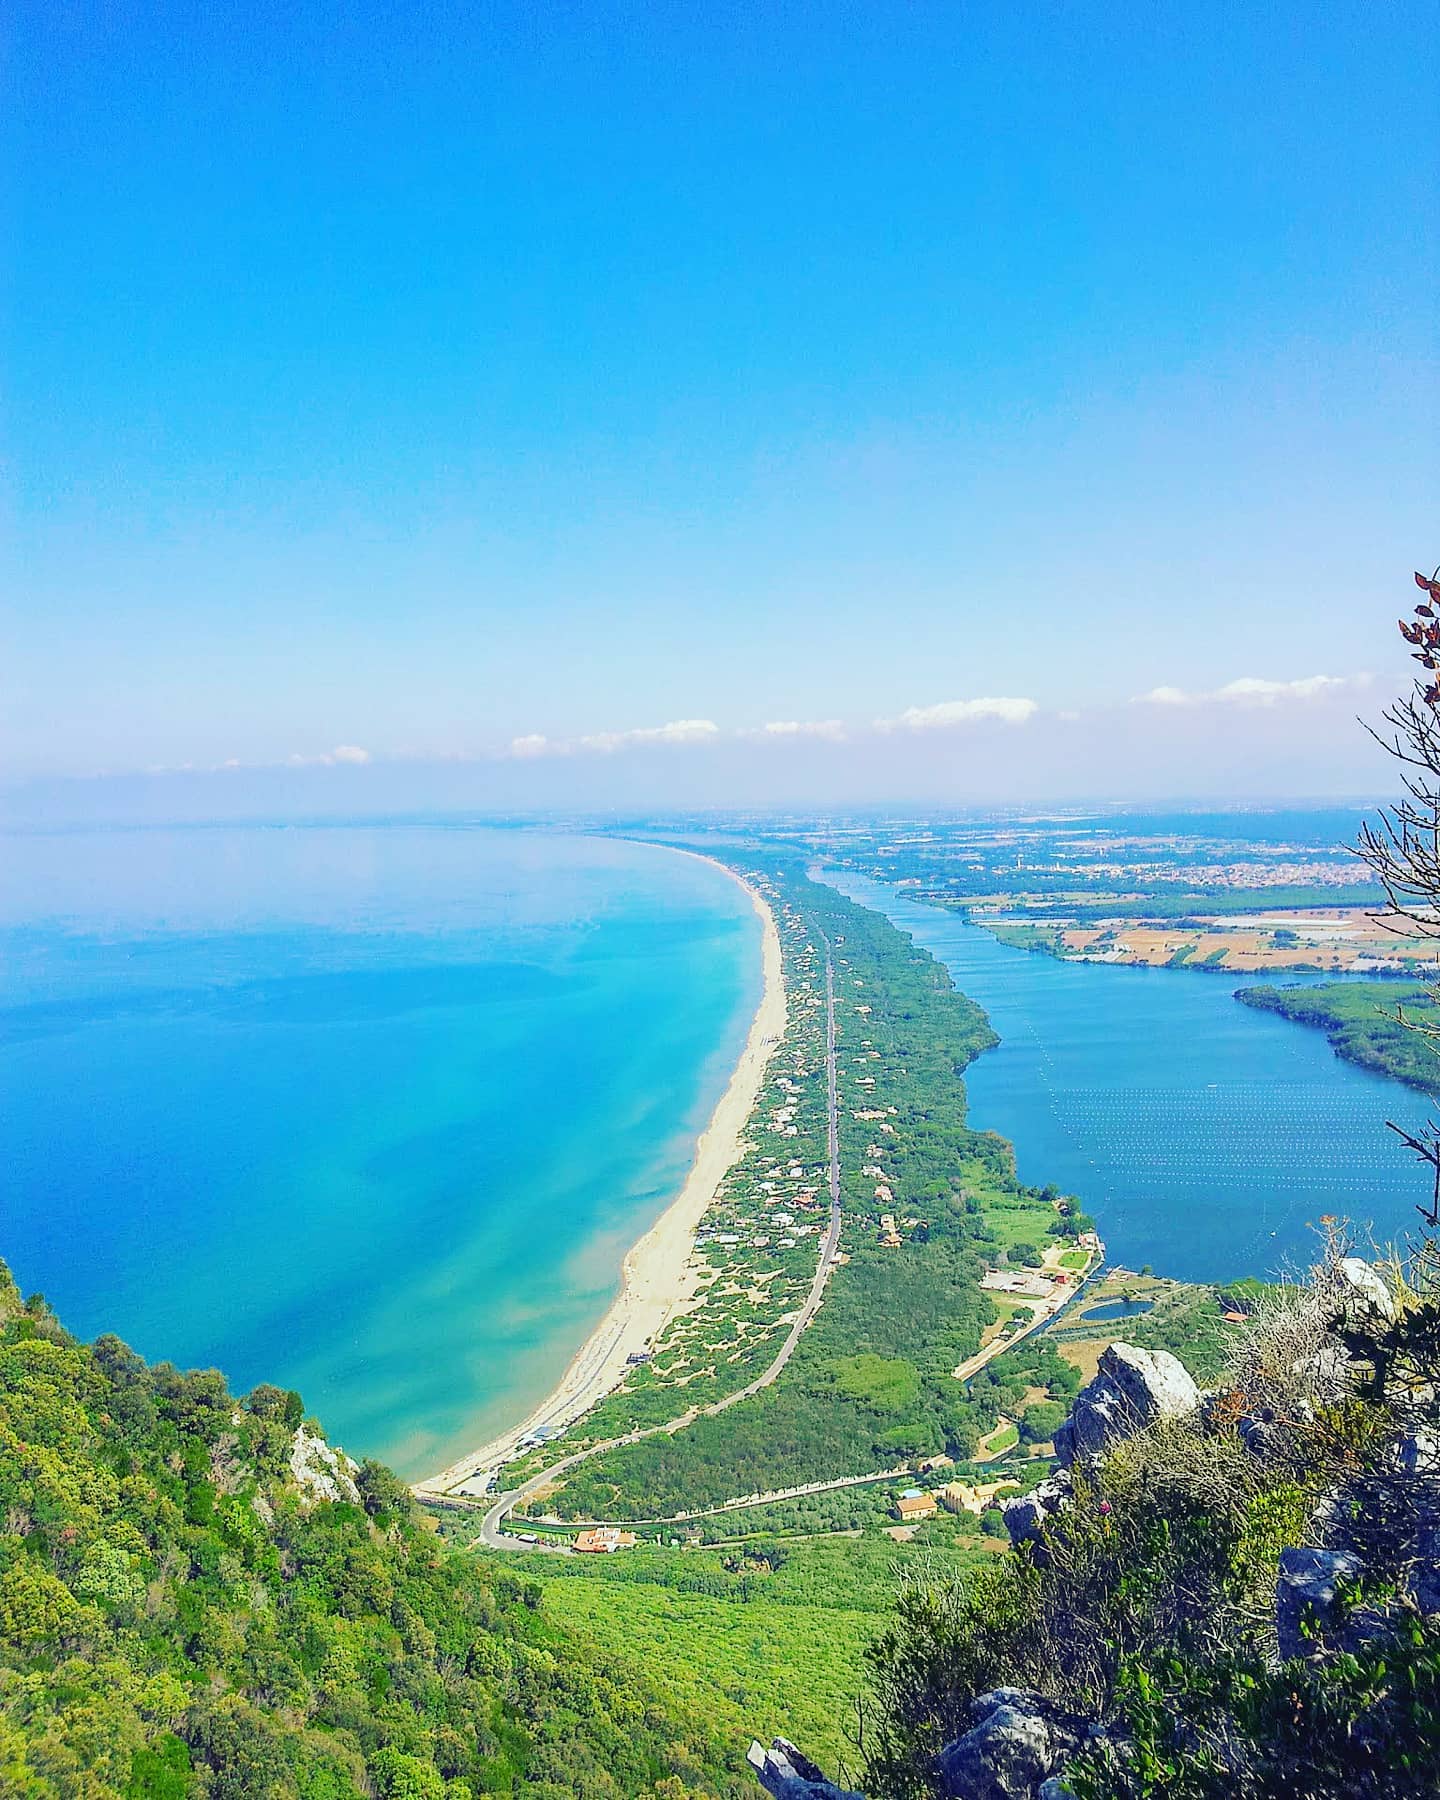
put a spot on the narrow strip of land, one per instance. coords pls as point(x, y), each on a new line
point(658, 1271)
point(492, 1527)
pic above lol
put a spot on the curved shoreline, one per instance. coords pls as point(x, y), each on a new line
point(656, 1275)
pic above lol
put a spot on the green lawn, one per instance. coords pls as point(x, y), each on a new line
point(998, 1442)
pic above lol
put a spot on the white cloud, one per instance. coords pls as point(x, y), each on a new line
point(1255, 690)
point(678, 731)
point(831, 729)
point(1251, 690)
point(329, 759)
point(948, 713)
point(534, 743)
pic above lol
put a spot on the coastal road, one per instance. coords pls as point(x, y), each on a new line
point(492, 1530)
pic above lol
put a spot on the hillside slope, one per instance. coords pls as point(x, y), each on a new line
point(199, 1597)
point(1227, 1595)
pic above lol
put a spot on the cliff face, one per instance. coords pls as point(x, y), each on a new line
point(200, 1597)
point(1224, 1594)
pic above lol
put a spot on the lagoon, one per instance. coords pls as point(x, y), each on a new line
point(373, 1112)
point(1207, 1139)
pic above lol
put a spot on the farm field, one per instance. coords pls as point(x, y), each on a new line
point(1300, 939)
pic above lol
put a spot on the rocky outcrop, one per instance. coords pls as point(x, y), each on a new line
point(1309, 1613)
point(1419, 1453)
point(1019, 1740)
point(1132, 1388)
point(1369, 1564)
point(1027, 1515)
point(1362, 1297)
point(1015, 1749)
point(787, 1774)
point(320, 1472)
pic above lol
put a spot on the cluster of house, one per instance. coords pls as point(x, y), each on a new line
point(604, 1540)
point(890, 1231)
point(916, 1503)
point(1041, 1284)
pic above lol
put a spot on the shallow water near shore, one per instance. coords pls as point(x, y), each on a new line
point(373, 1112)
point(1206, 1138)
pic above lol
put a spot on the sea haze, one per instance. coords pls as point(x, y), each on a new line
point(371, 1112)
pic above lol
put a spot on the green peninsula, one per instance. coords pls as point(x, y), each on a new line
point(1361, 1020)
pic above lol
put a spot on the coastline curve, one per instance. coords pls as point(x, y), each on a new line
point(657, 1273)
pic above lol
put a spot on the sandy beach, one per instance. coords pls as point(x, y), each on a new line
point(656, 1275)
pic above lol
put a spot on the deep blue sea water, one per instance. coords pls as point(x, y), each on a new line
point(1207, 1139)
point(370, 1112)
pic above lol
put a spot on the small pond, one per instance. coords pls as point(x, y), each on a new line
point(1117, 1309)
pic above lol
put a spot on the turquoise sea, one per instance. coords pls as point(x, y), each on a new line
point(1206, 1138)
point(370, 1112)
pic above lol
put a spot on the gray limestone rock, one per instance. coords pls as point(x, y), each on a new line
point(1307, 1610)
point(1019, 1739)
point(785, 1772)
point(321, 1472)
point(1363, 1297)
point(1026, 1515)
point(1132, 1389)
point(1419, 1454)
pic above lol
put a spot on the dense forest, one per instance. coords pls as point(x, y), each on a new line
point(1361, 1020)
point(184, 1613)
point(764, 1634)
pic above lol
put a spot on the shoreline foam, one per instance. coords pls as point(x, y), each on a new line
point(656, 1275)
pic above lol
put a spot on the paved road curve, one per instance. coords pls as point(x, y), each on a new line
point(491, 1529)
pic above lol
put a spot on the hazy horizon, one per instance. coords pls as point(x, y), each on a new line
point(630, 409)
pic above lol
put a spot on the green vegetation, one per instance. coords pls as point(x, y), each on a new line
point(1185, 1319)
point(180, 1616)
point(1042, 1420)
point(871, 1382)
point(1152, 1604)
point(761, 1234)
point(1043, 939)
point(747, 1670)
point(763, 1636)
point(1360, 1019)
point(892, 1386)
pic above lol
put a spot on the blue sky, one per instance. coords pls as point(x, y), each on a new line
point(466, 389)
